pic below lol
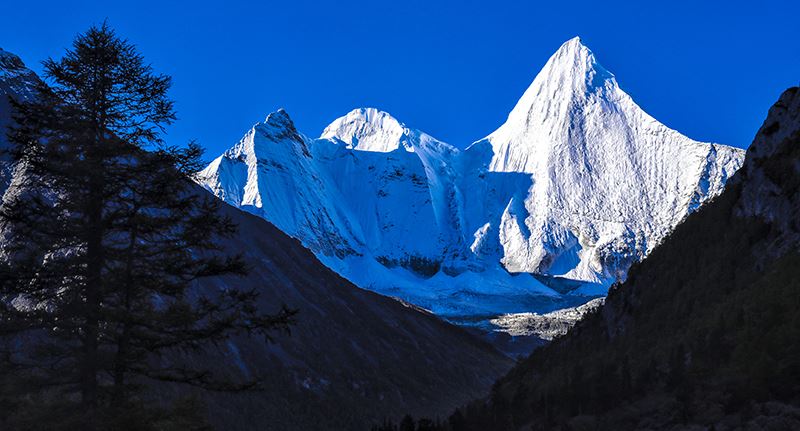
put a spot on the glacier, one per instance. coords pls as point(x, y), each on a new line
point(545, 213)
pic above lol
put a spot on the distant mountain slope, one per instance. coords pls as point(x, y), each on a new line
point(702, 335)
point(16, 81)
point(544, 213)
point(353, 357)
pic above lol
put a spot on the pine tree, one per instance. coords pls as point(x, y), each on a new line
point(457, 421)
point(105, 235)
point(407, 423)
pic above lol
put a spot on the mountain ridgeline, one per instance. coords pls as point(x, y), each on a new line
point(703, 333)
point(544, 213)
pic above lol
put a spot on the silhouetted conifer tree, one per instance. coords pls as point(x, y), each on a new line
point(105, 235)
point(407, 424)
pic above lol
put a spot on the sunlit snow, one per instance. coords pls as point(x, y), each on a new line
point(554, 206)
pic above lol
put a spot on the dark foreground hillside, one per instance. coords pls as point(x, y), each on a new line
point(704, 334)
point(353, 357)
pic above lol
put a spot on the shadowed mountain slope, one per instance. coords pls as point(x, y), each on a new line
point(353, 356)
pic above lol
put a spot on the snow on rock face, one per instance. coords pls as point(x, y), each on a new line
point(545, 326)
point(271, 173)
point(368, 129)
point(608, 180)
point(577, 185)
point(341, 201)
point(18, 82)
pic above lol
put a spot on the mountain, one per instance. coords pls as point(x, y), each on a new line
point(702, 334)
point(353, 357)
point(16, 81)
point(609, 181)
point(544, 213)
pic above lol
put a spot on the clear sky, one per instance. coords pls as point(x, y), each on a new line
point(453, 69)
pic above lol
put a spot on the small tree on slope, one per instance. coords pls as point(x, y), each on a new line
point(105, 236)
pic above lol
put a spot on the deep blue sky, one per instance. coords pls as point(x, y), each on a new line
point(453, 69)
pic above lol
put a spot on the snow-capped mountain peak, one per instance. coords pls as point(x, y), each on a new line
point(573, 188)
point(276, 134)
point(278, 125)
point(15, 78)
point(370, 129)
point(571, 86)
point(9, 60)
point(609, 181)
point(279, 119)
point(571, 72)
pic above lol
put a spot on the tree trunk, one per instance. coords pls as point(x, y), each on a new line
point(94, 267)
point(121, 358)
